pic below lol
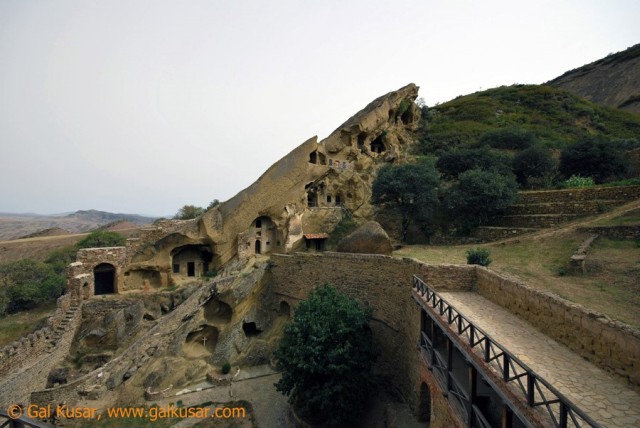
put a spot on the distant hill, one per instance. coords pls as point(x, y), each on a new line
point(613, 81)
point(15, 226)
point(555, 116)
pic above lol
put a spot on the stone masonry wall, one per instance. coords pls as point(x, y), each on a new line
point(607, 343)
point(382, 282)
point(621, 193)
point(26, 367)
point(614, 232)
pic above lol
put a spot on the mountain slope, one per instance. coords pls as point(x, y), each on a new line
point(14, 227)
point(556, 117)
point(613, 81)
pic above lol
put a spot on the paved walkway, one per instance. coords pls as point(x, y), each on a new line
point(605, 398)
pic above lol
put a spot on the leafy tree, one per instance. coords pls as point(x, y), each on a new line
point(410, 189)
point(508, 138)
point(479, 194)
point(26, 283)
point(455, 162)
point(102, 238)
point(60, 259)
point(596, 158)
point(326, 357)
point(534, 162)
point(212, 204)
point(188, 212)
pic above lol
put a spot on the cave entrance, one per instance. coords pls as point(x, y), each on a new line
point(104, 279)
point(250, 329)
point(377, 146)
point(257, 249)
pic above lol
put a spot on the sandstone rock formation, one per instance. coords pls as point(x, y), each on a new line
point(305, 193)
point(370, 238)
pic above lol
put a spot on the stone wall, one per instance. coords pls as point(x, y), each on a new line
point(614, 232)
point(622, 193)
point(609, 344)
point(26, 363)
point(383, 283)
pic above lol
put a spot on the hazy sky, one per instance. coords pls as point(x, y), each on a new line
point(144, 106)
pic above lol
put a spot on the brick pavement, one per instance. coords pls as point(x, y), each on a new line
point(604, 397)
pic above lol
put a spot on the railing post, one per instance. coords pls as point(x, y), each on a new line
point(505, 367)
point(472, 333)
point(487, 349)
point(563, 415)
point(530, 389)
point(459, 324)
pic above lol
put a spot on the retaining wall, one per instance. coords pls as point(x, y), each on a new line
point(621, 193)
point(609, 344)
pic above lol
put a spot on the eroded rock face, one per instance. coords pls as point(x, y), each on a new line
point(335, 174)
point(370, 238)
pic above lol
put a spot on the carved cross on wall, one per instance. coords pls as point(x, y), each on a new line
point(204, 341)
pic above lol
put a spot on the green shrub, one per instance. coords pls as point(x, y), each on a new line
point(102, 238)
point(479, 194)
point(577, 181)
point(478, 256)
point(226, 368)
point(455, 162)
point(596, 158)
point(533, 163)
point(26, 283)
point(508, 138)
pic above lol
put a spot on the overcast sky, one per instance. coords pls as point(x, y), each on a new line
point(144, 106)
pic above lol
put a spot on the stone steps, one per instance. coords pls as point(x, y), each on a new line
point(568, 207)
point(489, 233)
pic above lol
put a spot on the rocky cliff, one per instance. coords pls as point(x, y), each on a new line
point(613, 81)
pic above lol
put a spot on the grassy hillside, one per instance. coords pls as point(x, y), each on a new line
point(556, 117)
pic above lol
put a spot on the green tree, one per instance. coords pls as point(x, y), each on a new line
point(455, 162)
point(188, 212)
point(26, 283)
point(102, 238)
point(212, 204)
point(411, 190)
point(479, 194)
point(326, 356)
point(533, 163)
point(508, 138)
point(596, 158)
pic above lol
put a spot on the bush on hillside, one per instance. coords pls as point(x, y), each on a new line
point(24, 284)
point(102, 238)
point(533, 163)
point(455, 162)
point(188, 212)
point(596, 158)
point(479, 194)
point(508, 138)
point(575, 181)
point(478, 256)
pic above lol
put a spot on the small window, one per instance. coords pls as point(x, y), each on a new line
point(328, 199)
point(176, 268)
point(258, 223)
point(338, 199)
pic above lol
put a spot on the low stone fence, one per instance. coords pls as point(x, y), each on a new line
point(614, 232)
point(621, 193)
point(612, 345)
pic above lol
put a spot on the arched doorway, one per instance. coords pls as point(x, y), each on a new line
point(257, 249)
point(104, 276)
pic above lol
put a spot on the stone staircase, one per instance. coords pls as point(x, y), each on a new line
point(537, 210)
